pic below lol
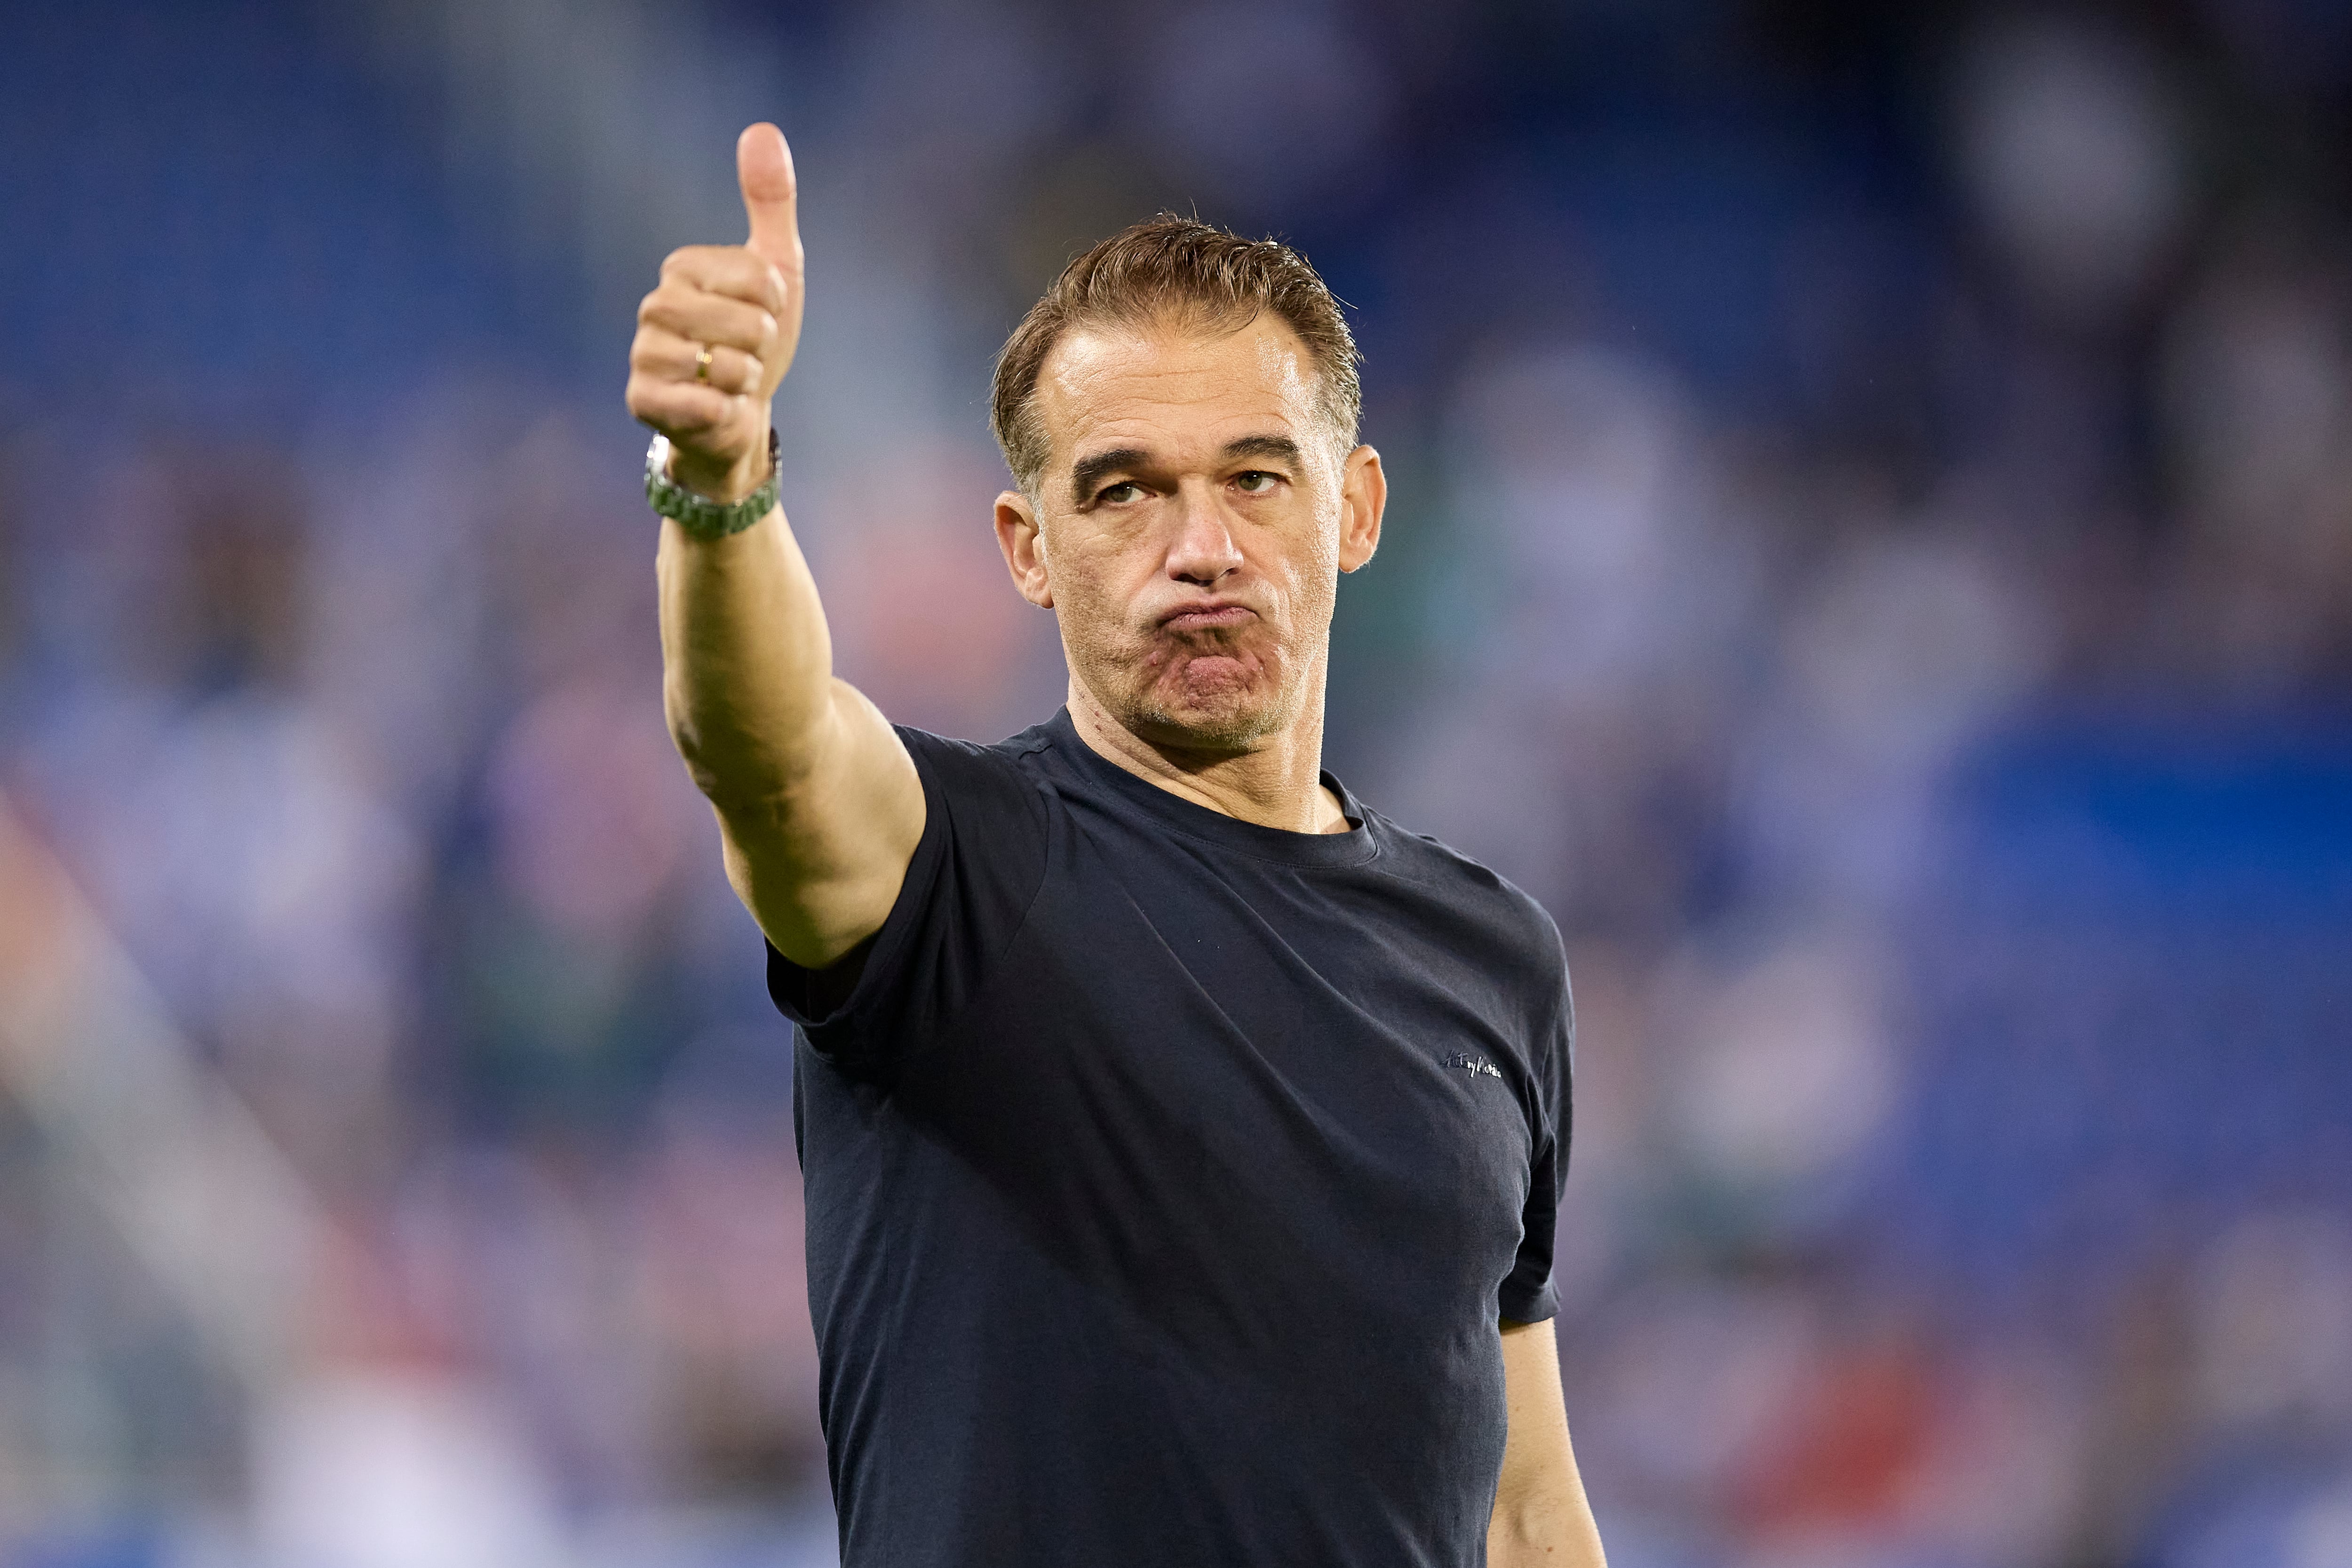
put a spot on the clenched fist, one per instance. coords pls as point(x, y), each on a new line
point(741, 305)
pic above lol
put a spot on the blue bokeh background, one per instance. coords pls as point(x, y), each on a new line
point(1872, 551)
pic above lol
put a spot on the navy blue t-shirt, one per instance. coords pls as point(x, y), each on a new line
point(1167, 1176)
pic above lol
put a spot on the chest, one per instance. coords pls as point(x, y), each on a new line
point(1260, 1038)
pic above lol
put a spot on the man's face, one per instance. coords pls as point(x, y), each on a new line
point(1190, 526)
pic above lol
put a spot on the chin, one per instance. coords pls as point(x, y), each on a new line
point(1210, 714)
point(1216, 692)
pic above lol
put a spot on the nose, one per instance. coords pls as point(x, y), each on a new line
point(1204, 550)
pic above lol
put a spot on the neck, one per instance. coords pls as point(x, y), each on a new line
point(1278, 782)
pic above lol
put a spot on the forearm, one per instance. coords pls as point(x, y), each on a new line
point(819, 803)
point(1541, 1515)
point(1554, 1530)
point(747, 662)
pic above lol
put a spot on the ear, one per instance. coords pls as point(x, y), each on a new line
point(1363, 497)
point(1016, 537)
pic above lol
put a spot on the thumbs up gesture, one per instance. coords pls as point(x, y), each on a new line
point(718, 332)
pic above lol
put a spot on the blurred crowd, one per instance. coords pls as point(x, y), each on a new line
point(1871, 552)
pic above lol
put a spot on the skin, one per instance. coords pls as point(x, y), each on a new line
point(1187, 530)
point(1540, 1512)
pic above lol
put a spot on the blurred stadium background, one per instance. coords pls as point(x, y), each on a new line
point(1873, 551)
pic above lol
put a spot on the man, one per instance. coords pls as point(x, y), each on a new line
point(1182, 1138)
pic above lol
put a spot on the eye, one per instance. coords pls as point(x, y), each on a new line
point(1120, 493)
point(1257, 481)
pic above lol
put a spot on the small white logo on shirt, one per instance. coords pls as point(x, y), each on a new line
point(1465, 1061)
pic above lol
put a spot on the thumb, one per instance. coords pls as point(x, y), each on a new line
point(771, 198)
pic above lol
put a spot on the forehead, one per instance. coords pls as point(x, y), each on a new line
point(1170, 386)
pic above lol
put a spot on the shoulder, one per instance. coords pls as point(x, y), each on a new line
point(1506, 940)
point(971, 774)
point(1511, 925)
point(949, 753)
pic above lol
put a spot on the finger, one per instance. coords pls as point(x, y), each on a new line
point(707, 319)
point(763, 163)
point(679, 408)
point(735, 271)
point(657, 352)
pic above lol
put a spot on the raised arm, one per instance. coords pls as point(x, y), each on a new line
point(817, 800)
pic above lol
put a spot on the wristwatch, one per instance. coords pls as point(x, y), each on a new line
point(699, 514)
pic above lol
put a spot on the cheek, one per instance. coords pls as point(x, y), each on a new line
point(1092, 580)
point(1309, 573)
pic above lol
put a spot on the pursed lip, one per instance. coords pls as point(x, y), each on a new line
point(1200, 614)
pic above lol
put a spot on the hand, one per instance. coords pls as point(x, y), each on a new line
point(742, 302)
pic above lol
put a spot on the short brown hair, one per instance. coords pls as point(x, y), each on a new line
point(1198, 274)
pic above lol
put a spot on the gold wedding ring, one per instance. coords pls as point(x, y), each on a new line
point(703, 367)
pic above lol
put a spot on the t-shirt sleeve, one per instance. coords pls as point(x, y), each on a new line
point(974, 875)
point(1529, 1294)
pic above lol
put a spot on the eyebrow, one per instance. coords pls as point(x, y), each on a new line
point(1091, 471)
point(1280, 447)
point(1088, 472)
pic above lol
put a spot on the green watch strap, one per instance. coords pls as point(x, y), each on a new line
point(699, 515)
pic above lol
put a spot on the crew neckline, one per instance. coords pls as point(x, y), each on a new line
point(1197, 821)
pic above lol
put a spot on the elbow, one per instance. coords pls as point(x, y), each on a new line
point(748, 780)
point(738, 766)
point(705, 764)
point(1514, 1534)
point(1554, 1530)
point(737, 782)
